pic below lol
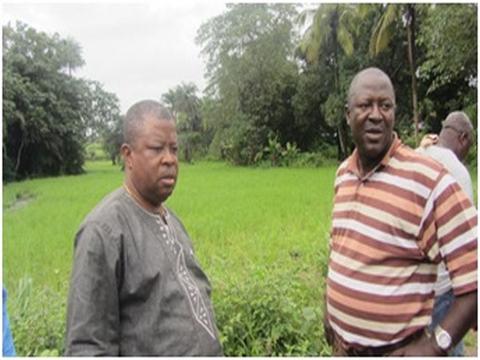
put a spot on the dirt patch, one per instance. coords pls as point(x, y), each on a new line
point(21, 200)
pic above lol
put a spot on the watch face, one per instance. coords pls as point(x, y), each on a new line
point(443, 338)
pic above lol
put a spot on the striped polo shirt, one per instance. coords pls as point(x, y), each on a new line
point(390, 229)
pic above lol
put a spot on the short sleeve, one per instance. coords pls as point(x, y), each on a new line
point(455, 221)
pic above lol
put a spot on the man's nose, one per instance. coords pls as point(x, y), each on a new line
point(375, 113)
point(169, 157)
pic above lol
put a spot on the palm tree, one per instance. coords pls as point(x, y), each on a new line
point(330, 35)
point(185, 106)
point(70, 53)
point(382, 35)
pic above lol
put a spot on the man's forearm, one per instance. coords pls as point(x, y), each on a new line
point(461, 316)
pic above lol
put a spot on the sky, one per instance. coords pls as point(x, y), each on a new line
point(137, 50)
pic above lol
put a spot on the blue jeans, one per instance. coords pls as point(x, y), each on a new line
point(440, 308)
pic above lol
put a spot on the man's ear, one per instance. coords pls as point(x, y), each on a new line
point(464, 137)
point(347, 114)
point(126, 151)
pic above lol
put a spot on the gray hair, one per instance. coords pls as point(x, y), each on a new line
point(459, 121)
point(137, 114)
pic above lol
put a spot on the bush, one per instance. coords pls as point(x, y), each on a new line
point(37, 319)
point(267, 315)
point(308, 159)
point(95, 151)
point(274, 154)
point(271, 314)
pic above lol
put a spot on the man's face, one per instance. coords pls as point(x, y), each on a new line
point(152, 161)
point(371, 116)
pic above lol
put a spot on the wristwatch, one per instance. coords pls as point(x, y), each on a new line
point(443, 338)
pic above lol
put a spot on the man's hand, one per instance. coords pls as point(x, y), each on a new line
point(429, 140)
point(424, 346)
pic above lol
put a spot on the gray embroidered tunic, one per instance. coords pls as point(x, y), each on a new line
point(136, 287)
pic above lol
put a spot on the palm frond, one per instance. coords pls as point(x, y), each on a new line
point(382, 34)
point(345, 40)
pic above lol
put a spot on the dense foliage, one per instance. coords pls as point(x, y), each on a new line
point(277, 78)
point(47, 113)
point(252, 77)
point(268, 79)
point(270, 315)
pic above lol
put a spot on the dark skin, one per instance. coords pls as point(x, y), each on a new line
point(457, 141)
point(460, 318)
point(371, 117)
point(151, 164)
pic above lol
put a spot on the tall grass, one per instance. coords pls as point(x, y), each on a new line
point(252, 228)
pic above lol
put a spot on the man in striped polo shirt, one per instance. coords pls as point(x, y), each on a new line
point(397, 215)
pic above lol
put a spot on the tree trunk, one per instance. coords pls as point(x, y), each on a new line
point(342, 139)
point(19, 154)
point(412, 63)
point(341, 143)
point(187, 154)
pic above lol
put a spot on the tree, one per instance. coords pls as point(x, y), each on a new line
point(101, 111)
point(42, 106)
point(251, 75)
point(186, 106)
point(313, 90)
point(329, 38)
point(69, 53)
point(382, 36)
point(449, 36)
point(113, 139)
point(47, 113)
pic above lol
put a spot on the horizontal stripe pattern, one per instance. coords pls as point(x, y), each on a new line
point(389, 232)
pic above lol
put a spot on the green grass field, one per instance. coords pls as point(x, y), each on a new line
point(260, 234)
point(244, 223)
point(238, 218)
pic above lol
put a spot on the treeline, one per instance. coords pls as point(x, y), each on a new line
point(277, 81)
point(278, 73)
point(48, 114)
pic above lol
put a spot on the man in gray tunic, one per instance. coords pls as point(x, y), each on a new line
point(136, 288)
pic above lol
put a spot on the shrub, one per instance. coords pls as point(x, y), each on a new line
point(37, 320)
point(270, 314)
point(274, 154)
point(94, 151)
point(267, 315)
point(308, 159)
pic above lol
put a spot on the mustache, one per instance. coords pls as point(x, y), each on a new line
point(373, 128)
point(169, 174)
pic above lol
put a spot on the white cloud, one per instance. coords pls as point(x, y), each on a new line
point(137, 50)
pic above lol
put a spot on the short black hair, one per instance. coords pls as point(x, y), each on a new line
point(371, 70)
point(136, 116)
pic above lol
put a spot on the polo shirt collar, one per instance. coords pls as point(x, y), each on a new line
point(352, 161)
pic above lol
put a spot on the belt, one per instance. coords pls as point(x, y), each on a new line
point(382, 350)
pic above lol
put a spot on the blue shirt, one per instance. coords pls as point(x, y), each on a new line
point(8, 347)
